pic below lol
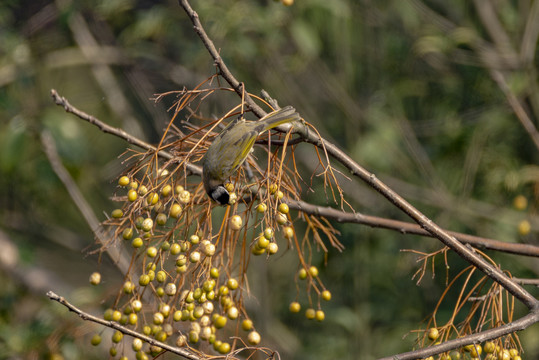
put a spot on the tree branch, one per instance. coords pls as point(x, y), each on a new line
point(531, 318)
point(410, 228)
point(111, 324)
point(328, 212)
point(355, 169)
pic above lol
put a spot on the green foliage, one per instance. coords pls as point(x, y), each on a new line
point(407, 99)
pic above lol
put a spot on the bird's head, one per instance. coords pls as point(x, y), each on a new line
point(219, 194)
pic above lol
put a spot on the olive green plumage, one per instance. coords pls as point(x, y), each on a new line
point(232, 146)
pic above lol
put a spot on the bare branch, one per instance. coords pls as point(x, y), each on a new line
point(311, 209)
point(531, 318)
point(86, 210)
point(371, 179)
point(410, 228)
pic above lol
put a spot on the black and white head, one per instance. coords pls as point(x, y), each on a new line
point(220, 194)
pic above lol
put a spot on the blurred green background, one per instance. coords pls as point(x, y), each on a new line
point(405, 87)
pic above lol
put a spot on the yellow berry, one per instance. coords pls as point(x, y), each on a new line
point(310, 313)
point(319, 315)
point(152, 199)
point(262, 242)
point(116, 315)
point(326, 295)
point(281, 218)
point(137, 242)
point(273, 189)
point(132, 195)
point(272, 248)
point(255, 250)
point(313, 270)
point(147, 224)
point(489, 347)
point(117, 213)
point(181, 341)
point(229, 187)
point(175, 210)
point(232, 284)
point(261, 208)
point(220, 322)
point(524, 227)
point(184, 197)
point(520, 202)
point(302, 273)
point(96, 339)
point(166, 190)
point(158, 318)
point(137, 344)
point(144, 280)
point(194, 257)
point(117, 336)
point(233, 313)
point(162, 172)
point(288, 232)
point(236, 222)
point(279, 195)
point(294, 307)
point(224, 348)
point(127, 234)
point(283, 208)
point(287, 2)
point(247, 324)
point(433, 333)
point(128, 287)
point(95, 278)
point(232, 198)
point(253, 338)
point(161, 219)
point(476, 350)
point(142, 190)
point(152, 251)
point(123, 181)
point(268, 233)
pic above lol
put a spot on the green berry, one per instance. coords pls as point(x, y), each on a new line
point(96, 339)
point(117, 213)
point(161, 219)
point(117, 337)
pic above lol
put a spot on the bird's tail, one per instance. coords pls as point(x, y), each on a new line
point(279, 117)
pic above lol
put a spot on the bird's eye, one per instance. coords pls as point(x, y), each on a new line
point(221, 195)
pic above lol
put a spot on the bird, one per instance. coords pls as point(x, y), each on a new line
point(231, 147)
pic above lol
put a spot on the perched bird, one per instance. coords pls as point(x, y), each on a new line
point(232, 146)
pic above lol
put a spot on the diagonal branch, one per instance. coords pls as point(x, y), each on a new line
point(355, 169)
point(410, 228)
point(311, 209)
point(111, 324)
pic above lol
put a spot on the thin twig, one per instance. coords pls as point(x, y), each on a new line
point(86, 210)
point(62, 101)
